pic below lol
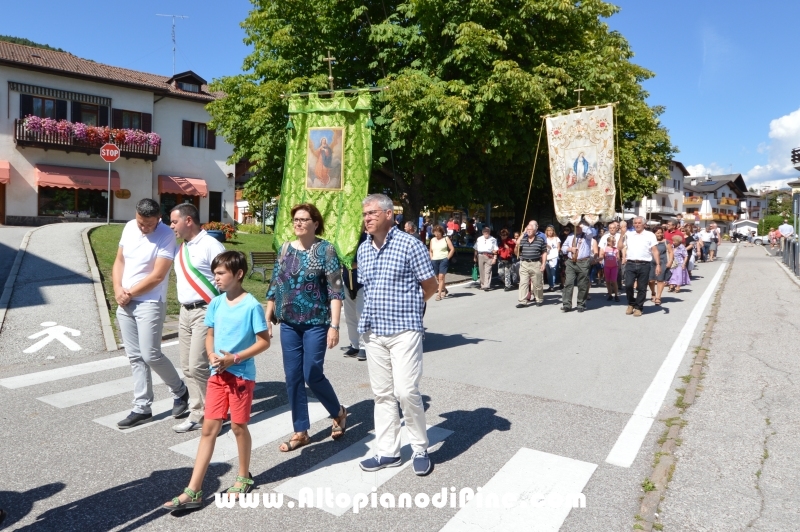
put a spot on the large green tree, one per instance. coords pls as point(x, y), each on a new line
point(467, 83)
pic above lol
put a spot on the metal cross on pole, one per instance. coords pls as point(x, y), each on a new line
point(579, 91)
point(330, 61)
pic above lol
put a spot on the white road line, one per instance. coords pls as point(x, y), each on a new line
point(50, 375)
point(264, 428)
point(536, 482)
point(341, 473)
point(630, 440)
point(32, 379)
point(162, 410)
point(95, 392)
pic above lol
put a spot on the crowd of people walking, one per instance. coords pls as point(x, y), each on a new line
point(626, 254)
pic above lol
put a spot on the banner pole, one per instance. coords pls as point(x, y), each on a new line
point(530, 186)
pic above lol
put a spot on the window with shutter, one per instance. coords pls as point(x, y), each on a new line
point(116, 118)
point(147, 122)
point(25, 105)
point(200, 135)
point(76, 112)
point(61, 109)
point(102, 116)
point(211, 139)
point(188, 131)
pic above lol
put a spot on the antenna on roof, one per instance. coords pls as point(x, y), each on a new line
point(173, 36)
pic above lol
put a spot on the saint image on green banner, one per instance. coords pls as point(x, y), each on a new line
point(328, 163)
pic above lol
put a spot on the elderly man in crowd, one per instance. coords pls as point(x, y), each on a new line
point(532, 254)
point(140, 276)
point(579, 247)
point(785, 230)
point(639, 252)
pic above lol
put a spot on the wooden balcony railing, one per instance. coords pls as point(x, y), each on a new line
point(69, 143)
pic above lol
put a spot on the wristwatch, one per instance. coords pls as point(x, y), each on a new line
point(334, 327)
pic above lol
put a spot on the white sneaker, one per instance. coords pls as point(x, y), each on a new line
point(188, 426)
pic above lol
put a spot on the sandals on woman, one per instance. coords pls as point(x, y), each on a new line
point(247, 485)
point(439, 297)
point(657, 301)
point(339, 425)
point(295, 443)
point(195, 501)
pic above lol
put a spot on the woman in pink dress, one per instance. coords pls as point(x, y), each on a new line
point(610, 268)
point(680, 276)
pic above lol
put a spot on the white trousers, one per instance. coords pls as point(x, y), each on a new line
point(352, 309)
point(395, 369)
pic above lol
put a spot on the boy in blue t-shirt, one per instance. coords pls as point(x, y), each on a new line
point(237, 331)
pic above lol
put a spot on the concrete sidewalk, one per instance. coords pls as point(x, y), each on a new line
point(53, 291)
point(737, 466)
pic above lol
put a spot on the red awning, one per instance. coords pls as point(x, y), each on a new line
point(66, 177)
point(5, 172)
point(168, 184)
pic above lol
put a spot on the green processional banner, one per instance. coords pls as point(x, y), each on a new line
point(328, 163)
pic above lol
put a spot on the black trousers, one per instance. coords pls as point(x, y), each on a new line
point(638, 272)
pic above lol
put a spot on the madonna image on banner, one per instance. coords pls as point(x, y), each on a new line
point(324, 158)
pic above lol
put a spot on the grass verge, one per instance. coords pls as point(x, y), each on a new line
point(105, 240)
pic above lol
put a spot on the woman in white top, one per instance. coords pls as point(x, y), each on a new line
point(441, 250)
point(553, 245)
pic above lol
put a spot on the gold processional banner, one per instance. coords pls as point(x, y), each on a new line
point(582, 164)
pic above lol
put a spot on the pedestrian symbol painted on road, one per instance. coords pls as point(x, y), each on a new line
point(54, 332)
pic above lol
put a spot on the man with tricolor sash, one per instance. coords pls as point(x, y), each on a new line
point(195, 290)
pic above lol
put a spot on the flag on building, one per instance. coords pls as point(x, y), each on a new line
point(582, 165)
point(328, 163)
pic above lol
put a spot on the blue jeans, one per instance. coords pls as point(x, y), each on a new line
point(303, 349)
point(552, 273)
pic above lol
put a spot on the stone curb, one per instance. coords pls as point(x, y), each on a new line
point(8, 289)
point(99, 294)
point(662, 471)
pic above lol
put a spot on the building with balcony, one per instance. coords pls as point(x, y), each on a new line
point(753, 206)
point(59, 110)
point(717, 199)
point(667, 201)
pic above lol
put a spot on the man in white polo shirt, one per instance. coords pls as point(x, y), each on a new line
point(786, 231)
point(639, 251)
point(140, 276)
point(195, 290)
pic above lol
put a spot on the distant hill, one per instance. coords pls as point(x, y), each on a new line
point(28, 42)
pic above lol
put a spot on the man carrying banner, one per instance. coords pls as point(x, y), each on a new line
point(195, 291)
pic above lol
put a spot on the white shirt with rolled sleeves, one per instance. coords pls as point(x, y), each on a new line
point(203, 249)
point(486, 245)
point(640, 245)
point(140, 252)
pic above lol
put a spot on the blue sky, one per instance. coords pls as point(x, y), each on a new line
point(724, 68)
point(726, 72)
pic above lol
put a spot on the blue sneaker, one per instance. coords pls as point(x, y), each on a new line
point(377, 463)
point(422, 464)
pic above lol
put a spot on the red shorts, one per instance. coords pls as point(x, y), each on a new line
point(227, 391)
point(610, 273)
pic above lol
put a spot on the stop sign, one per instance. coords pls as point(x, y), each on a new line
point(109, 152)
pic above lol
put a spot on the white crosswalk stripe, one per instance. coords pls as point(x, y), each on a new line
point(95, 392)
point(264, 428)
point(342, 474)
point(50, 375)
point(540, 489)
point(161, 410)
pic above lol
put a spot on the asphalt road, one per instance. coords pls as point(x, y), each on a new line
point(529, 401)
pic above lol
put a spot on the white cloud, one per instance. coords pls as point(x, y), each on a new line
point(784, 134)
point(697, 170)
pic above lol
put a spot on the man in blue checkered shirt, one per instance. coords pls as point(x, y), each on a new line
point(396, 271)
